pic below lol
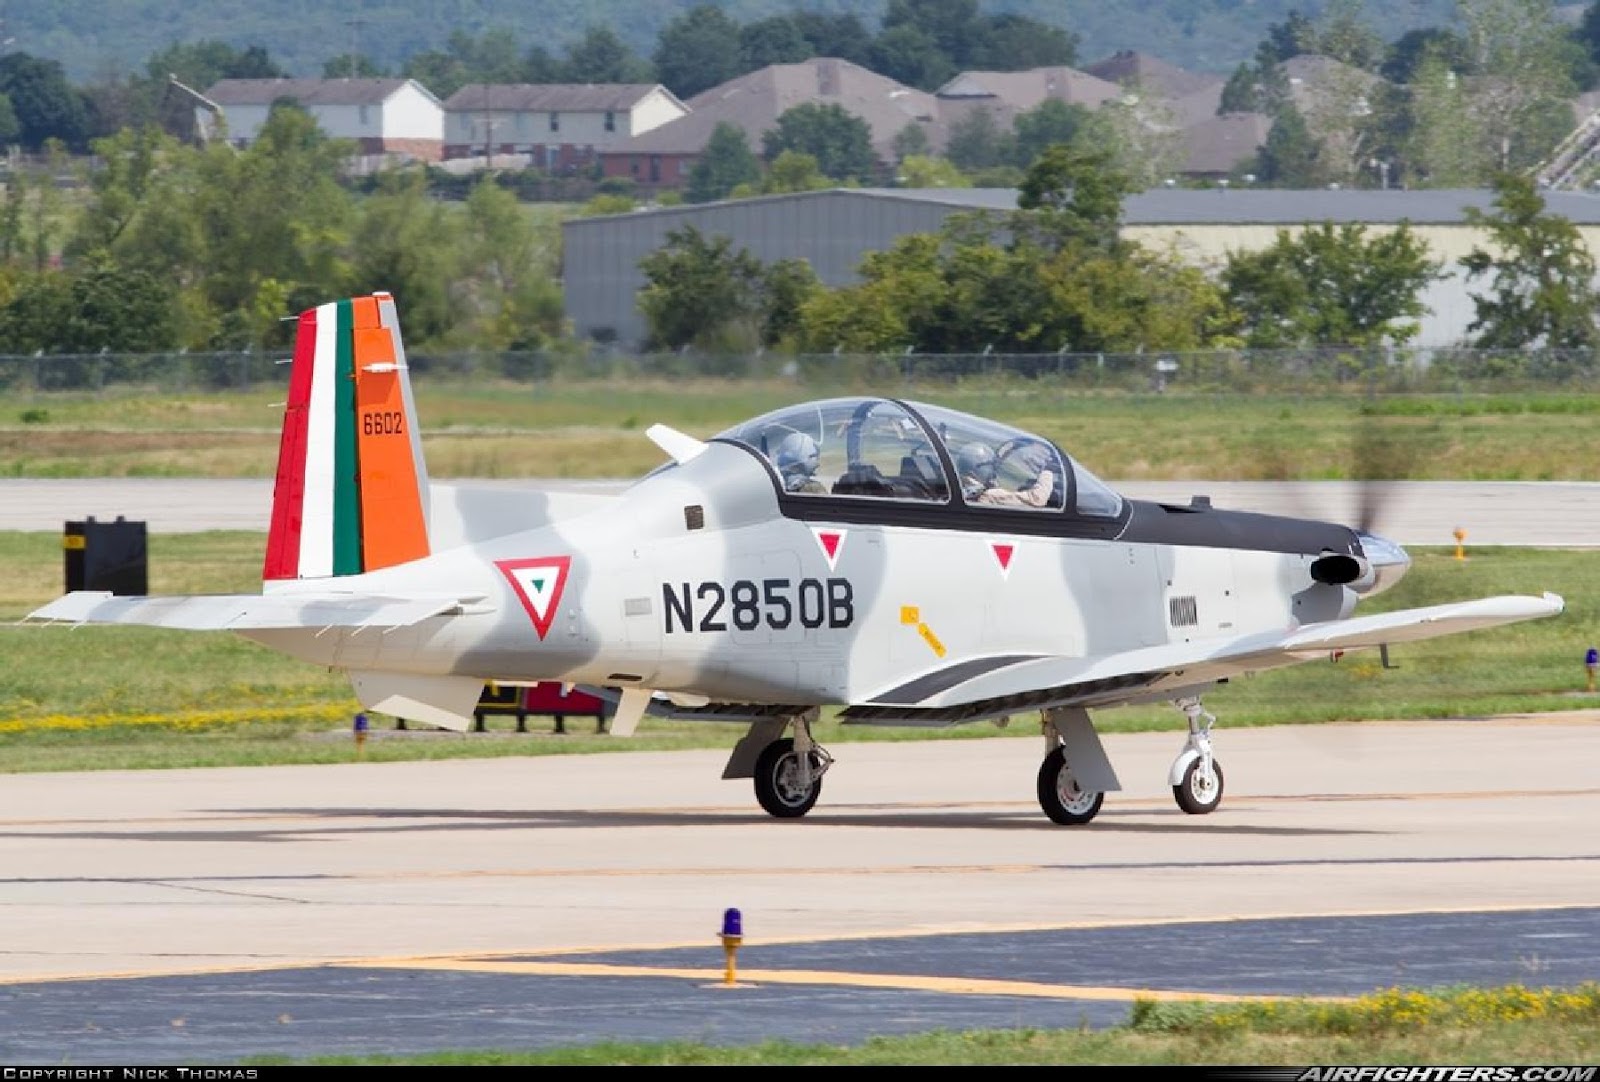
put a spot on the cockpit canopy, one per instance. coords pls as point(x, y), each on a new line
point(880, 448)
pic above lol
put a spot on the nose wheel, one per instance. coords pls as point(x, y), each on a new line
point(1196, 776)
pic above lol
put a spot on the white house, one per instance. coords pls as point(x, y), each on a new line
point(383, 116)
point(561, 126)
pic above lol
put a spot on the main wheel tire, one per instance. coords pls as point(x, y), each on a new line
point(1061, 797)
point(1193, 794)
point(777, 786)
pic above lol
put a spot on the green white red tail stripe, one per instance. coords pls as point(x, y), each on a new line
point(351, 491)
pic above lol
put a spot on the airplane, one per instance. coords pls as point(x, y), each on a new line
point(904, 562)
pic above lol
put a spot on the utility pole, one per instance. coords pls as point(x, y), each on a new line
point(355, 26)
point(489, 124)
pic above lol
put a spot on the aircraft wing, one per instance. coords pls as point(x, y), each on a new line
point(980, 688)
point(239, 612)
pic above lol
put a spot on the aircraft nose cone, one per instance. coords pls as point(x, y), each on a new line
point(1389, 562)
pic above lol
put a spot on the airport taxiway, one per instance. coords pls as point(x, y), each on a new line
point(210, 915)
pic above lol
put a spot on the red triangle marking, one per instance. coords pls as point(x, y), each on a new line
point(1003, 554)
point(830, 544)
point(558, 564)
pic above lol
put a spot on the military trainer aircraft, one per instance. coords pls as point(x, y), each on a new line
point(908, 563)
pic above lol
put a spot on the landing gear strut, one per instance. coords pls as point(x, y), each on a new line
point(1196, 776)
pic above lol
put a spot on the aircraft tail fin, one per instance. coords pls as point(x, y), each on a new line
point(352, 488)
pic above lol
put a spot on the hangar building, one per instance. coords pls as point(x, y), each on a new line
point(833, 229)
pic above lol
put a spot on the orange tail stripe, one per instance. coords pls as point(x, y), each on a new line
point(393, 528)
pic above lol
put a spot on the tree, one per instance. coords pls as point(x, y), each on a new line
point(1240, 94)
point(1539, 270)
point(843, 36)
point(952, 27)
point(1330, 286)
point(908, 54)
point(1142, 135)
point(100, 306)
point(787, 286)
point(726, 163)
point(1126, 302)
point(465, 59)
point(702, 293)
point(1519, 101)
point(508, 269)
point(403, 244)
point(1017, 43)
point(697, 50)
point(1291, 157)
point(602, 57)
point(1286, 40)
point(10, 127)
point(909, 141)
point(774, 40)
point(1444, 149)
point(1406, 54)
point(840, 142)
point(1587, 33)
point(1344, 34)
point(1052, 121)
point(959, 291)
point(273, 216)
point(977, 141)
point(1072, 198)
point(45, 105)
point(792, 171)
point(920, 171)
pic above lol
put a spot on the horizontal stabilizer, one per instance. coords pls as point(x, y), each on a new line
point(240, 612)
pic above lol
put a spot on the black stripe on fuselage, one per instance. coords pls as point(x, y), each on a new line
point(1208, 527)
point(946, 678)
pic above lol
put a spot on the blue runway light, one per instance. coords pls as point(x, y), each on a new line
point(732, 922)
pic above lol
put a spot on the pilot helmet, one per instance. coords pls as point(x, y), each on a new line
point(977, 461)
point(796, 456)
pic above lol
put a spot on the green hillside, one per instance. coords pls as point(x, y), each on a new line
point(94, 39)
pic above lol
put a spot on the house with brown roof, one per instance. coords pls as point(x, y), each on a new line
point(664, 156)
point(1216, 147)
point(1129, 69)
point(559, 127)
point(398, 117)
point(1004, 94)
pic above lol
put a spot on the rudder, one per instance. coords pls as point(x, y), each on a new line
point(351, 493)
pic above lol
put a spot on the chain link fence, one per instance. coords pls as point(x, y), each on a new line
point(1393, 371)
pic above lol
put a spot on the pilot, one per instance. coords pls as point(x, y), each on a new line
point(796, 459)
point(979, 469)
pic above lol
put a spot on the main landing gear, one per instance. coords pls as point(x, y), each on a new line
point(787, 770)
point(1076, 775)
